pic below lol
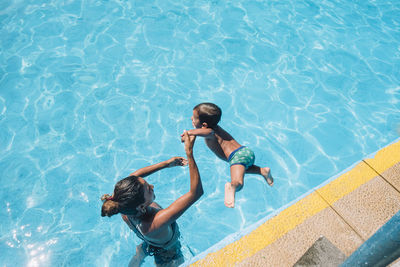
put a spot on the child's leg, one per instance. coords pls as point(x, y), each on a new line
point(237, 174)
point(265, 172)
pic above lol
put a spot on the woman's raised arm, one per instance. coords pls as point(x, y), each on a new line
point(179, 206)
point(174, 161)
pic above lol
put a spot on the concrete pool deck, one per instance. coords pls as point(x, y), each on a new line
point(347, 210)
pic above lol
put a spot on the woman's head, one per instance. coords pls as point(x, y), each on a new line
point(131, 195)
point(208, 113)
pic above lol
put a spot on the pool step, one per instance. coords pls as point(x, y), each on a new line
point(321, 253)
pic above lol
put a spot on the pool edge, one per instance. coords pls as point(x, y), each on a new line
point(264, 240)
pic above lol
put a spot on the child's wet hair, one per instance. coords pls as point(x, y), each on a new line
point(128, 194)
point(209, 113)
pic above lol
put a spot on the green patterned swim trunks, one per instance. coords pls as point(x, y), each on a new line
point(243, 155)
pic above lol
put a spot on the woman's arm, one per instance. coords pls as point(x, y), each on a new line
point(138, 258)
point(174, 161)
point(179, 206)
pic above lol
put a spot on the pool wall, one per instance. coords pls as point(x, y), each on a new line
point(347, 209)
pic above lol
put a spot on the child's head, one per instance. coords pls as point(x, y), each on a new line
point(208, 113)
point(131, 195)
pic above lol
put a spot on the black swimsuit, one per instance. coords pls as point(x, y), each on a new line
point(163, 253)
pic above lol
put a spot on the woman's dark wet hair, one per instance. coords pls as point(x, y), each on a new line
point(209, 113)
point(128, 194)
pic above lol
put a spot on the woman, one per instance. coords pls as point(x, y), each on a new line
point(134, 198)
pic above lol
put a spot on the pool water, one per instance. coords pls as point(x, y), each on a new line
point(93, 90)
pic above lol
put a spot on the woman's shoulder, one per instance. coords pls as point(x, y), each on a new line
point(156, 206)
point(129, 220)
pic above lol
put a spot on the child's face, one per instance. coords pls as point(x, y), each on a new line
point(195, 119)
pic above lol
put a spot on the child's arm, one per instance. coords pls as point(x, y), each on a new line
point(203, 132)
point(174, 161)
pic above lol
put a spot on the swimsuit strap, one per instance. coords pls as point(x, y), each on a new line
point(136, 229)
point(175, 236)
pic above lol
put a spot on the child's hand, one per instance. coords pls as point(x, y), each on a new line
point(177, 161)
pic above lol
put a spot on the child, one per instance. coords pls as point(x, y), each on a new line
point(134, 198)
point(241, 159)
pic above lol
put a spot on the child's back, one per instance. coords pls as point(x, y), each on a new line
point(221, 143)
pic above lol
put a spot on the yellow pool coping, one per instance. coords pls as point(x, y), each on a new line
point(320, 198)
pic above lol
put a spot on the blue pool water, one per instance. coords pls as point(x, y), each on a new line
point(92, 90)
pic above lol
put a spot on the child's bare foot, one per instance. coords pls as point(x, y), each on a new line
point(229, 195)
point(266, 172)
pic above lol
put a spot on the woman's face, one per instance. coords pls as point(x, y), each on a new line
point(148, 191)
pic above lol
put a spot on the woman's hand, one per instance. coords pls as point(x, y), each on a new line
point(183, 135)
point(176, 161)
point(189, 142)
